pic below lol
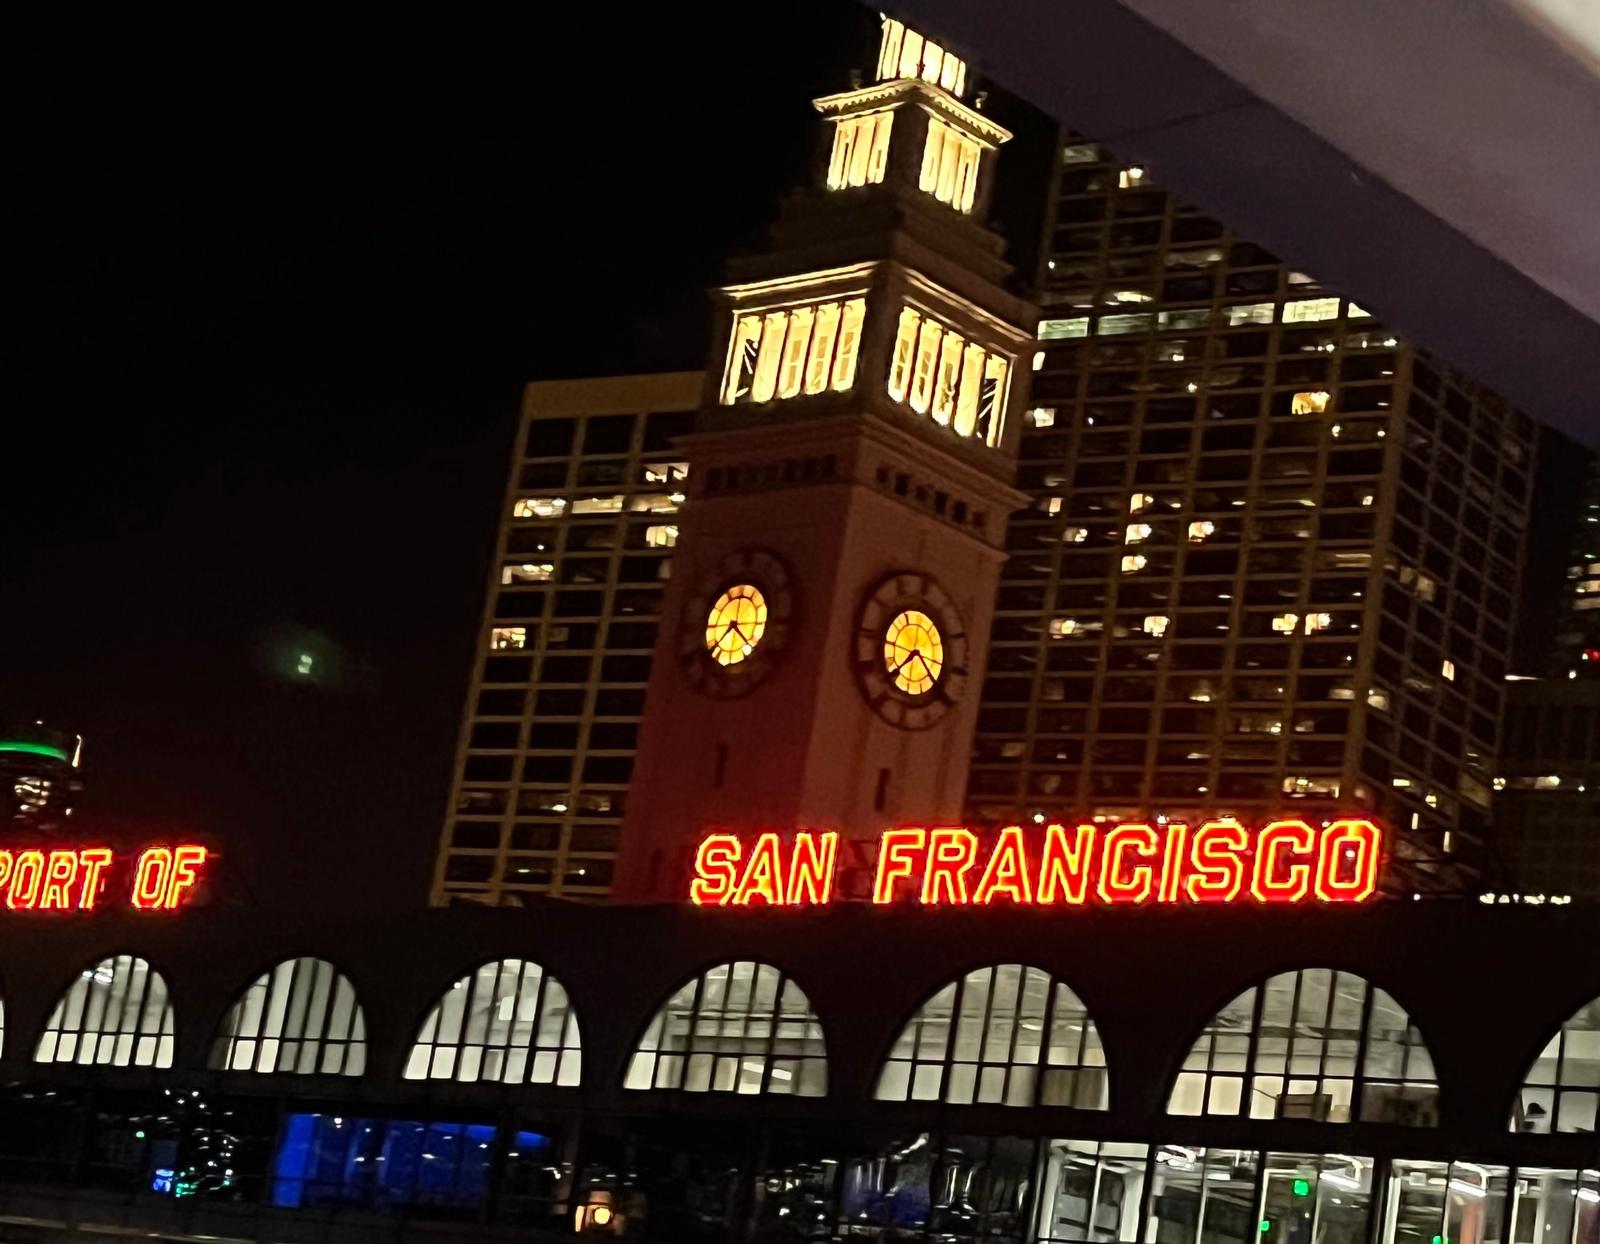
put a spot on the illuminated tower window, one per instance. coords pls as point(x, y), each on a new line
point(937, 372)
point(781, 354)
point(903, 53)
point(950, 165)
point(860, 149)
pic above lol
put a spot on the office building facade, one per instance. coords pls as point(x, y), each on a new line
point(552, 715)
point(1577, 644)
point(1273, 551)
point(1547, 801)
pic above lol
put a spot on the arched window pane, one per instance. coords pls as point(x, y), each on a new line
point(1562, 1088)
point(299, 1017)
point(738, 1028)
point(1314, 1044)
point(509, 1022)
point(117, 1013)
point(1002, 1035)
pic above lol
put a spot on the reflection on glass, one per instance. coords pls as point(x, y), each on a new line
point(1091, 1191)
point(1556, 1206)
point(887, 1193)
point(1202, 1196)
point(1315, 1199)
point(980, 1188)
point(1430, 1202)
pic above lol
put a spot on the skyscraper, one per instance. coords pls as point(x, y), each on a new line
point(1267, 558)
point(1547, 796)
point(1578, 632)
point(547, 740)
point(1273, 551)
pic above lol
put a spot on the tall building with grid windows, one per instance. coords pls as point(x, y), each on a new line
point(547, 740)
point(1577, 641)
point(1273, 553)
point(1547, 802)
point(1547, 787)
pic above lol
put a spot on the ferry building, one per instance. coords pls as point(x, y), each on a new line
point(825, 1000)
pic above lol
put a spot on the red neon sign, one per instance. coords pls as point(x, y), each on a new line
point(1131, 864)
point(75, 878)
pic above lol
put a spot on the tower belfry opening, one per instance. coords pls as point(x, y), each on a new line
point(849, 480)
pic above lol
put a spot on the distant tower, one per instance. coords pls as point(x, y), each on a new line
point(39, 776)
point(824, 631)
point(1577, 642)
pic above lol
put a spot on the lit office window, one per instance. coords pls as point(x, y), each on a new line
point(1002, 1035)
point(117, 1013)
point(1314, 1044)
point(1562, 1088)
point(300, 1017)
point(509, 1022)
point(738, 1028)
point(539, 507)
point(506, 638)
point(1310, 310)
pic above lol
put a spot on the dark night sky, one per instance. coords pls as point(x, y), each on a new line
point(264, 320)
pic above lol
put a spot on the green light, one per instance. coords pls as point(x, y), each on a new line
point(32, 749)
point(1266, 1225)
point(1302, 1187)
point(138, 1135)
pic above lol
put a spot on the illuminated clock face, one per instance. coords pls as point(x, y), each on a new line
point(910, 651)
point(913, 652)
point(736, 624)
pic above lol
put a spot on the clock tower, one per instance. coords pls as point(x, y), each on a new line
point(823, 637)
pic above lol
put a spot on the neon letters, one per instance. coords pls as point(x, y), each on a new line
point(60, 879)
point(1131, 864)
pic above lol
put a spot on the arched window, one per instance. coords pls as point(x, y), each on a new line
point(738, 1028)
point(1562, 1088)
point(1313, 1044)
point(116, 1013)
point(509, 1022)
point(300, 1017)
point(1003, 1035)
